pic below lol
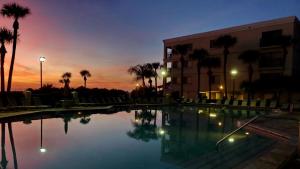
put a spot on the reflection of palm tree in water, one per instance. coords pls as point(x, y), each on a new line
point(3, 159)
point(12, 145)
point(143, 128)
point(67, 119)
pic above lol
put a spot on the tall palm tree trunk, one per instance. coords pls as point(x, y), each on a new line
point(209, 83)
point(12, 62)
point(181, 76)
point(250, 70)
point(84, 83)
point(198, 80)
point(3, 159)
point(13, 145)
point(226, 52)
point(155, 80)
point(3, 51)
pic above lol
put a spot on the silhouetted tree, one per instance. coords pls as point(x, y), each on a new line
point(149, 73)
point(249, 57)
point(209, 63)
point(156, 65)
point(139, 71)
point(182, 50)
point(85, 74)
point(199, 55)
point(5, 37)
point(225, 42)
point(15, 11)
point(12, 142)
point(66, 81)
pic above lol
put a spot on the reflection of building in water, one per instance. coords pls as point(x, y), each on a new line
point(193, 132)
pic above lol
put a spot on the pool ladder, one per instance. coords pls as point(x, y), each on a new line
point(236, 130)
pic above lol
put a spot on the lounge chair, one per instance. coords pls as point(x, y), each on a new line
point(273, 104)
point(227, 102)
point(244, 103)
point(253, 104)
point(235, 103)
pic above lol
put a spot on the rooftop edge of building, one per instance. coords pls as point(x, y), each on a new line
point(288, 19)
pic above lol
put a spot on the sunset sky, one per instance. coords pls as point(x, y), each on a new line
point(108, 36)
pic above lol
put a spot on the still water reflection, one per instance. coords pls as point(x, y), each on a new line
point(145, 138)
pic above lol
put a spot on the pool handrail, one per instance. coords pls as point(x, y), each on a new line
point(236, 130)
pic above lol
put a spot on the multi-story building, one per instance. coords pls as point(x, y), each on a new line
point(260, 36)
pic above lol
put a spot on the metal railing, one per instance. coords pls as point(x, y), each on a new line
point(236, 130)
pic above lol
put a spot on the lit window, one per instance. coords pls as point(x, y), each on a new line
point(169, 65)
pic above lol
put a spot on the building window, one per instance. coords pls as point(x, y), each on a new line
point(168, 79)
point(270, 38)
point(169, 65)
point(271, 59)
point(186, 63)
point(174, 80)
point(212, 44)
point(169, 53)
point(175, 64)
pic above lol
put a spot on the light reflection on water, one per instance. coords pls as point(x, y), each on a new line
point(149, 138)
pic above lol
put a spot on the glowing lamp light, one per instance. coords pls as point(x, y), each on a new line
point(163, 73)
point(231, 140)
point(212, 115)
point(221, 87)
point(42, 59)
point(137, 85)
point(162, 132)
point(43, 150)
point(220, 124)
point(79, 113)
point(200, 111)
point(234, 72)
point(247, 133)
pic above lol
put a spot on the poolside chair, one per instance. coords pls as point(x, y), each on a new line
point(244, 103)
point(235, 103)
point(253, 103)
point(219, 102)
point(227, 102)
point(262, 104)
point(273, 104)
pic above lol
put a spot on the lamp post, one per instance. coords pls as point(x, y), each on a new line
point(42, 59)
point(233, 73)
point(164, 73)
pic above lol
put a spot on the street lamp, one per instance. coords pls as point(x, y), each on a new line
point(233, 73)
point(42, 59)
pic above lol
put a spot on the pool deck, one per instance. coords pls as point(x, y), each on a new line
point(13, 113)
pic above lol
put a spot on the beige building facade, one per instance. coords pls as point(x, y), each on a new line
point(256, 36)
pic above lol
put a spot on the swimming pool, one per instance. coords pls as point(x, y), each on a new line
point(163, 138)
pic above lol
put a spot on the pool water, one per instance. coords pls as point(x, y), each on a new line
point(163, 138)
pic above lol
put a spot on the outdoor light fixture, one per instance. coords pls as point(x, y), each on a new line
point(221, 87)
point(233, 73)
point(162, 132)
point(42, 59)
point(220, 124)
point(247, 133)
point(43, 150)
point(163, 73)
point(231, 140)
point(200, 111)
point(212, 115)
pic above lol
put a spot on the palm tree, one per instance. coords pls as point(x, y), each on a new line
point(199, 55)
point(181, 50)
point(66, 81)
point(225, 42)
point(156, 65)
point(85, 74)
point(15, 11)
point(5, 37)
point(209, 63)
point(149, 73)
point(139, 71)
point(249, 57)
